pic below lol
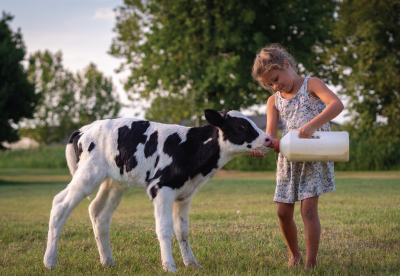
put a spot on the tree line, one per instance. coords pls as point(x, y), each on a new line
point(46, 101)
point(68, 101)
point(186, 56)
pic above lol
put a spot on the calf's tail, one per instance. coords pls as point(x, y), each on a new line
point(70, 152)
point(71, 158)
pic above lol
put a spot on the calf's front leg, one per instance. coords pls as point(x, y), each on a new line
point(181, 226)
point(163, 206)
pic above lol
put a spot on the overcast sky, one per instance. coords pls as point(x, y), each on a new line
point(81, 29)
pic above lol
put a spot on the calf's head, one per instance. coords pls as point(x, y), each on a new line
point(239, 133)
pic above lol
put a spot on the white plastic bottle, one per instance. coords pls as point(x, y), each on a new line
point(325, 146)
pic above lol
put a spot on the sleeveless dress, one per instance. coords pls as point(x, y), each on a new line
point(300, 180)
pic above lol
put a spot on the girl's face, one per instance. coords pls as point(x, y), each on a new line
point(280, 80)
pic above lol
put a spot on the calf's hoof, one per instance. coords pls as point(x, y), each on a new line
point(169, 267)
point(50, 264)
point(195, 264)
point(107, 261)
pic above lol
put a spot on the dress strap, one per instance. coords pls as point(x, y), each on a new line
point(303, 88)
point(305, 81)
point(277, 99)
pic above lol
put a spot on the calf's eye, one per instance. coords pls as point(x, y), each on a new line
point(241, 127)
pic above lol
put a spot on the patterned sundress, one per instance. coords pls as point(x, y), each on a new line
point(300, 180)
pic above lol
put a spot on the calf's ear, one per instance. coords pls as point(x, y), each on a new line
point(214, 117)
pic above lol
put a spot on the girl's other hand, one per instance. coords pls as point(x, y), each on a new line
point(306, 131)
point(257, 154)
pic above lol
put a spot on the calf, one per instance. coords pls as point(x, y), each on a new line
point(170, 161)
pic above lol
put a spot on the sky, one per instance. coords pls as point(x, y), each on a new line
point(82, 30)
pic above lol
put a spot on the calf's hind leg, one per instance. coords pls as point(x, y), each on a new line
point(82, 185)
point(101, 211)
point(163, 207)
point(181, 226)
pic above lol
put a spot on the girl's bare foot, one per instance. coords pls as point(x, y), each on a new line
point(310, 266)
point(293, 261)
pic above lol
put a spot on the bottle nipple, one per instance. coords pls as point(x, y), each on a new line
point(275, 145)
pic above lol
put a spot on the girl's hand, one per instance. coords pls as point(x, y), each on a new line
point(306, 131)
point(257, 154)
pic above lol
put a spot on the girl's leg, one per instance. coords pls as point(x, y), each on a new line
point(312, 229)
point(289, 230)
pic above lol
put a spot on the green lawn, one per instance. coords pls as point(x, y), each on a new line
point(360, 230)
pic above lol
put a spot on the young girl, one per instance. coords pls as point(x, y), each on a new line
point(306, 105)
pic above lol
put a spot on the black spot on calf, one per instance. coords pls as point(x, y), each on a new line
point(151, 145)
point(128, 140)
point(147, 176)
point(73, 135)
point(189, 158)
point(153, 191)
point(91, 146)
point(238, 130)
point(78, 152)
point(74, 140)
point(157, 159)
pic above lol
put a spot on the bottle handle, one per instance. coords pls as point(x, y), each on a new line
point(276, 143)
point(315, 135)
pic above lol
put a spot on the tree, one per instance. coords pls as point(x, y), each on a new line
point(68, 101)
point(17, 95)
point(97, 96)
point(364, 57)
point(56, 113)
point(202, 52)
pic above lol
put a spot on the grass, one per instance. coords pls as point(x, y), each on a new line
point(363, 157)
point(360, 229)
point(35, 157)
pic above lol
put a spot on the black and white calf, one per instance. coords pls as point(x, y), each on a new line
point(170, 161)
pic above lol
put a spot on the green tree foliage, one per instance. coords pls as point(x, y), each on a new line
point(55, 115)
point(169, 110)
point(364, 57)
point(97, 97)
point(68, 101)
point(192, 55)
point(17, 94)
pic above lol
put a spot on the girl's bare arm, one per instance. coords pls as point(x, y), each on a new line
point(334, 106)
point(272, 118)
point(272, 123)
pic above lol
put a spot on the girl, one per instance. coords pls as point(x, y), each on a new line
point(306, 105)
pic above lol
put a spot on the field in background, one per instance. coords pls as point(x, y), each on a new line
point(360, 229)
point(363, 157)
point(45, 157)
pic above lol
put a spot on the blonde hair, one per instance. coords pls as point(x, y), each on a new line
point(271, 57)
